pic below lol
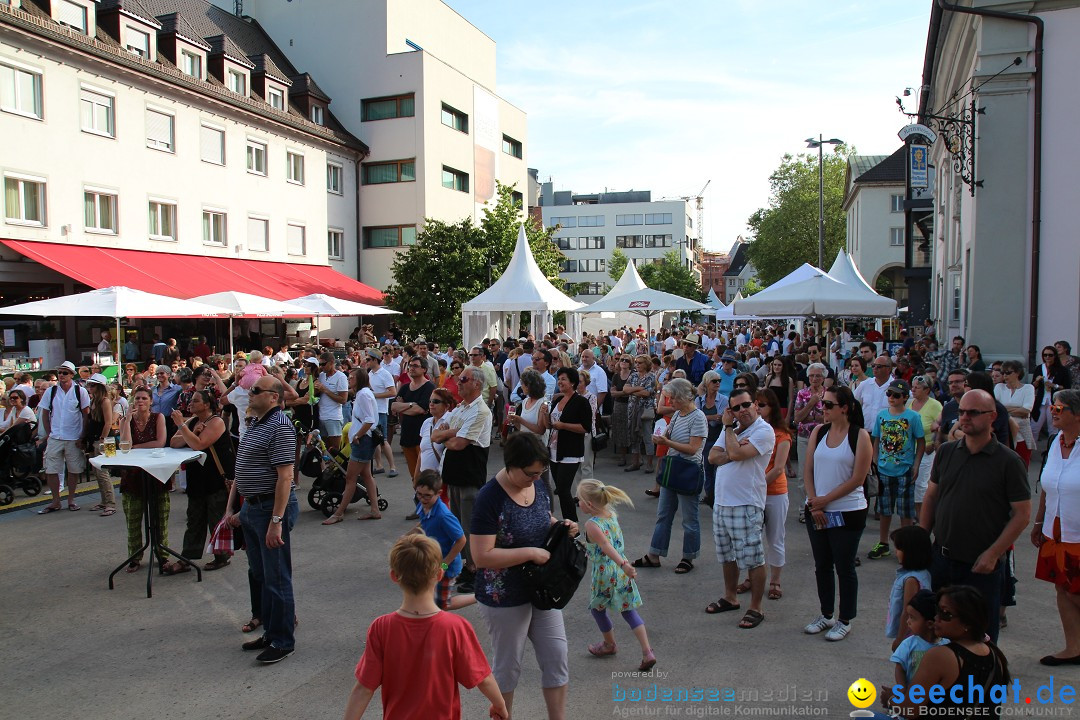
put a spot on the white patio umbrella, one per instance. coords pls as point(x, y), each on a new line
point(117, 302)
point(240, 304)
point(329, 306)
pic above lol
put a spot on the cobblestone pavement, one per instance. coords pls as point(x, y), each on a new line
point(72, 646)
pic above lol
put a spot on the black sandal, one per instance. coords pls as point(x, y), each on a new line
point(684, 566)
point(645, 562)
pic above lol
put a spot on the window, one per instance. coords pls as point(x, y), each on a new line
point(596, 265)
point(510, 146)
point(566, 222)
point(568, 266)
point(256, 157)
point(333, 178)
point(629, 241)
point(656, 241)
point(596, 242)
point(658, 219)
point(24, 200)
point(564, 243)
point(213, 227)
point(896, 203)
point(395, 236)
point(591, 221)
point(159, 130)
point(455, 179)
point(212, 144)
point(335, 244)
point(628, 219)
point(97, 112)
point(391, 172)
point(20, 91)
point(317, 115)
point(162, 220)
point(99, 212)
point(294, 169)
point(896, 237)
point(71, 14)
point(295, 240)
point(387, 107)
point(138, 42)
point(454, 118)
point(237, 82)
point(191, 64)
point(258, 234)
point(276, 98)
point(517, 199)
point(954, 315)
point(595, 288)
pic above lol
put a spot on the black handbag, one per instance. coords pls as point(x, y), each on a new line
point(683, 476)
point(552, 585)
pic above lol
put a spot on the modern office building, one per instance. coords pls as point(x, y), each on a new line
point(169, 146)
point(591, 226)
point(416, 81)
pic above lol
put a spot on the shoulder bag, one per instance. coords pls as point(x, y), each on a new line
point(675, 472)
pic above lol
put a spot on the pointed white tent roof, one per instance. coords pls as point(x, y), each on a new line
point(714, 299)
point(844, 270)
point(629, 282)
point(819, 294)
point(803, 272)
point(522, 286)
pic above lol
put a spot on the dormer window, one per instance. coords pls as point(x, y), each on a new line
point(276, 98)
point(71, 14)
point(237, 82)
point(191, 64)
point(317, 115)
point(137, 42)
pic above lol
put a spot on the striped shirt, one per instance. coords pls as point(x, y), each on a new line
point(269, 443)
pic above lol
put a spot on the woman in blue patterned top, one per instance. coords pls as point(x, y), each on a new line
point(510, 521)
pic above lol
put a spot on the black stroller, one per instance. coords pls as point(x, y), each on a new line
point(329, 473)
point(21, 462)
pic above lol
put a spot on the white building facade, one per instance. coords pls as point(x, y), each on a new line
point(127, 130)
point(420, 90)
point(874, 192)
point(591, 227)
point(1004, 274)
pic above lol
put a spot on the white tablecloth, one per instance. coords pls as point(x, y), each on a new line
point(162, 467)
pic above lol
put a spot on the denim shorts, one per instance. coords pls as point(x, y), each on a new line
point(362, 449)
point(330, 428)
point(383, 419)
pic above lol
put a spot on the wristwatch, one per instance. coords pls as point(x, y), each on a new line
point(730, 427)
point(276, 519)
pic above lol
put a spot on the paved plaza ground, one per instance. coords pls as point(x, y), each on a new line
point(73, 648)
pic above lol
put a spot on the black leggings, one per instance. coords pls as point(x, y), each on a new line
point(836, 548)
point(563, 475)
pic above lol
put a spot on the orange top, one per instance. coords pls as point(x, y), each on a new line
point(778, 486)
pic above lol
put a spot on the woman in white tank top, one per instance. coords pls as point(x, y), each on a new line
point(836, 506)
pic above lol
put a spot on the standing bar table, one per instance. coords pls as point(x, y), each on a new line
point(157, 465)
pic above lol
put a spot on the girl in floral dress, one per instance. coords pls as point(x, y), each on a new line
point(613, 585)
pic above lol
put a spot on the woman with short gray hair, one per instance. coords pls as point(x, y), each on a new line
point(684, 437)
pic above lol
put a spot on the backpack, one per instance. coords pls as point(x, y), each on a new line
point(78, 397)
point(552, 585)
point(852, 435)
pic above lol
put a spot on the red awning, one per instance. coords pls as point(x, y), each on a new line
point(185, 276)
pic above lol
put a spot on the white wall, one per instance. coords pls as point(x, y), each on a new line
point(870, 222)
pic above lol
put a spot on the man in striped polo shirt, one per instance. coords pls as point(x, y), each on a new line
point(264, 475)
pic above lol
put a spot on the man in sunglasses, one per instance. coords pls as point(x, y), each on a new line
point(871, 393)
point(65, 408)
point(976, 505)
point(741, 455)
point(333, 387)
point(899, 444)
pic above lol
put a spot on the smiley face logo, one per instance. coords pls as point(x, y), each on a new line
point(862, 693)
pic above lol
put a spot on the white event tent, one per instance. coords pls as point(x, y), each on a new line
point(814, 292)
point(521, 288)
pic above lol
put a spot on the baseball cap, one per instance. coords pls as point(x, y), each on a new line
point(67, 365)
point(901, 386)
point(312, 360)
point(373, 354)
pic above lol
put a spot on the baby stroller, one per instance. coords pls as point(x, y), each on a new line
point(20, 463)
point(329, 473)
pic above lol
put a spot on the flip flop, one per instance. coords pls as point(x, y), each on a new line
point(751, 620)
point(722, 605)
point(73, 508)
point(108, 511)
point(99, 506)
point(775, 593)
point(48, 509)
point(333, 519)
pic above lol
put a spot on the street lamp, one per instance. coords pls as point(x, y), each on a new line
point(819, 144)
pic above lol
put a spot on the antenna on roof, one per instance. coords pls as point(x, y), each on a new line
point(238, 8)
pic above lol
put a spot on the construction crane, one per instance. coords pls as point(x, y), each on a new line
point(699, 200)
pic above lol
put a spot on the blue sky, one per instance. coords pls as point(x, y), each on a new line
point(664, 96)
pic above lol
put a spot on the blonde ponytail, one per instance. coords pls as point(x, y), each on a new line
point(602, 495)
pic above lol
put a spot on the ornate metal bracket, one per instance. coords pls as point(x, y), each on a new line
point(958, 134)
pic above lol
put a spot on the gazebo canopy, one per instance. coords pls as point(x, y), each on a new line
point(819, 294)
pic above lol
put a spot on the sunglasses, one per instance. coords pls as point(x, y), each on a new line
point(478, 355)
point(426, 496)
point(1049, 354)
point(64, 372)
point(1057, 409)
point(435, 402)
point(945, 615)
point(973, 413)
point(895, 394)
point(880, 365)
point(742, 406)
point(828, 404)
point(259, 391)
point(1008, 372)
point(740, 386)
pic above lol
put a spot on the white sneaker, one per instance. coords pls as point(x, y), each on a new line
point(839, 631)
point(820, 625)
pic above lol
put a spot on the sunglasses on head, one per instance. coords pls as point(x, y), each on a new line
point(742, 406)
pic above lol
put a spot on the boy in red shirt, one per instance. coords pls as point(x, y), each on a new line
point(421, 684)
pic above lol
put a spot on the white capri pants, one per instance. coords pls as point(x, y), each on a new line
point(776, 510)
point(509, 627)
point(923, 480)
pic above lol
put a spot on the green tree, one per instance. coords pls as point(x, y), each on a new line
point(785, 234)
point(449, 264)
point(752, 286)
point(672, 276)
point(617, 264)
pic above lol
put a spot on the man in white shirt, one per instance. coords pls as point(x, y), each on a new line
point(384, 387)
point(871, 393)
point(65, 408)
point(741, 455)
point(598, 380)
point(616, 341)
point(390, 360)
point(671, 341)
point(334, 387)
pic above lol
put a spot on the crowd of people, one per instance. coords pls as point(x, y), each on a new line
point(756, 416)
